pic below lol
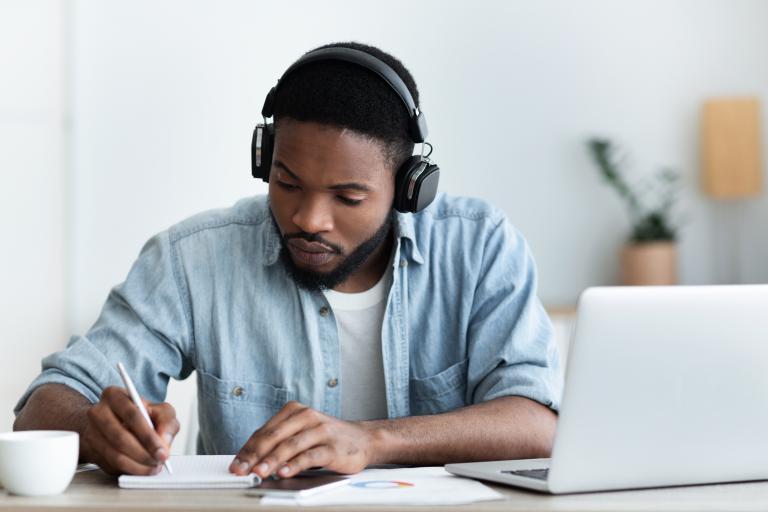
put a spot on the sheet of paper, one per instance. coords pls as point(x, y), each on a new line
point(402, 486)
point(193, 472)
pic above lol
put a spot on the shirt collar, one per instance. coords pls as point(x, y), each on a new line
point(271, 241)
point(405, 230)
point(403, 227)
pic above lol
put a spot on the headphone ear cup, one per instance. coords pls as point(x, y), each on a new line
point(267, 150)
point(415, 184)
point(262, 144)
point(426, 188)
point(404, 173)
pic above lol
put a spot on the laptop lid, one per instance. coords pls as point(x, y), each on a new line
point(665, 386)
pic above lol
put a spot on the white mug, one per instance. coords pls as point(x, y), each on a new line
point(38, 462)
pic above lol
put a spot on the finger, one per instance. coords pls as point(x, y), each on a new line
point(109, 426)
point(114, 461)
point(247, 457)
point(270, 435)
point(316, 456)
point(306, 440)
point(293, 446)
point(130, 415)
point(166, 424)
point(307, 430)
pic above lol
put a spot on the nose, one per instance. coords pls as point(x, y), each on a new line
point(313, 215)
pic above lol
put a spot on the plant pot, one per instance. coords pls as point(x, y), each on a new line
point(649, 263)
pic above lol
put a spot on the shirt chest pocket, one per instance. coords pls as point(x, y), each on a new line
point(231, 410)
point(442, 392)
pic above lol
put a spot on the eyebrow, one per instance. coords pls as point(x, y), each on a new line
point(340, 186)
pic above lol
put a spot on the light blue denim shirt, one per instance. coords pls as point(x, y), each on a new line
point(463, 323)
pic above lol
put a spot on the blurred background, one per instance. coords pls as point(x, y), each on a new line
point(118, 119)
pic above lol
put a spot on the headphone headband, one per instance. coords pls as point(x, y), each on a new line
point(417, 124)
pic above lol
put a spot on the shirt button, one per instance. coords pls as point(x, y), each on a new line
point(333, 382)
point(324, 311)
point(403, 263)
point(238, 391)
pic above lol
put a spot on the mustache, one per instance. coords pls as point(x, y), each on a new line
point(314, 237)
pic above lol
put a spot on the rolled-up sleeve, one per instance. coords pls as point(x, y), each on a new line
point(512, 350)
point(144, 324)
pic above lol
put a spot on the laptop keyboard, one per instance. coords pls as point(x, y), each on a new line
point(539, 474)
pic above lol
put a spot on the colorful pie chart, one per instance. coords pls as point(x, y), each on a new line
point(382, 484)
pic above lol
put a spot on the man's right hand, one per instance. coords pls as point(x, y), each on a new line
point(119, 439)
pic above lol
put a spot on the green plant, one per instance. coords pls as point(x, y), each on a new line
point(650, 202)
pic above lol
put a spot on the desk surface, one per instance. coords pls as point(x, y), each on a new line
point(96, 490)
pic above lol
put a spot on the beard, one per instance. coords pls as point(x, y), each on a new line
point(317, 281)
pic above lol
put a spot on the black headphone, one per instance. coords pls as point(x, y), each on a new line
point(416, 179)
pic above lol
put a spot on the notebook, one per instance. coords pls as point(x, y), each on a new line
point(193, 472)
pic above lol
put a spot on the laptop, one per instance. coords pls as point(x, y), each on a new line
point(665, 386)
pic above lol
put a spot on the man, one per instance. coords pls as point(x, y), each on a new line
point(325, 328)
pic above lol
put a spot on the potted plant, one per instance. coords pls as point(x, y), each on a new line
point(650, 255)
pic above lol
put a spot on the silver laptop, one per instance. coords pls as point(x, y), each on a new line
point(664, 386)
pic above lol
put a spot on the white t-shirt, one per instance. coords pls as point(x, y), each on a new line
point(359, 317)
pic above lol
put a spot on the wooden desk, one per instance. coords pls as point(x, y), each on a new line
point(94, 490)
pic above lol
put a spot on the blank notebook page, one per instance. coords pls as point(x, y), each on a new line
point(193, 472)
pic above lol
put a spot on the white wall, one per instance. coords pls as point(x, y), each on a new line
point(32, 186)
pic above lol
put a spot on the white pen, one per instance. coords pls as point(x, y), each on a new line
point(137, 400)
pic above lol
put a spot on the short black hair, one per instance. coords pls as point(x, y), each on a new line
point(346, 95)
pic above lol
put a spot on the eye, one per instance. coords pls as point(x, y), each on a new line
point(286, 186)
point(349, 202)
